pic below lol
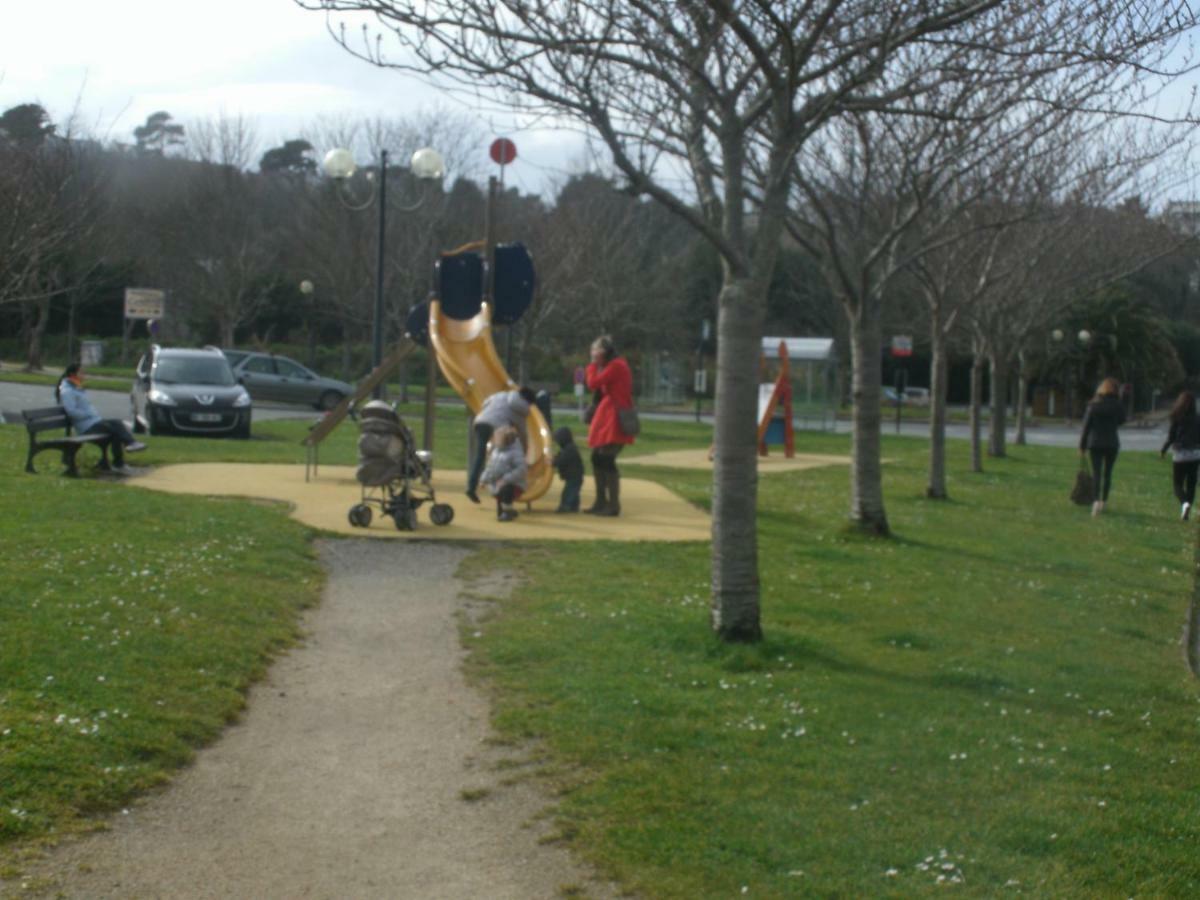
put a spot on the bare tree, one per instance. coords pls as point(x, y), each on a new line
point(227, 140)
point(53, 193)
point(1079, 237)
point(703, 89)
point(714, 90)
point(222, 240)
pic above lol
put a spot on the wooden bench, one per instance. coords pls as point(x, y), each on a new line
point(54, 418)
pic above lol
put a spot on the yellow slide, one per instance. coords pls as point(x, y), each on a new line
point(467, 357)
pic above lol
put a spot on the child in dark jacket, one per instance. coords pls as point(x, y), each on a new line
point(569, 464)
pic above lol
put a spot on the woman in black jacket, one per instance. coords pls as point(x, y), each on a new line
point(1184, 441)
point(1105, 414)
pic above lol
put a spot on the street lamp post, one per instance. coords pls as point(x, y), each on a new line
point(427, 165)
point(306, 291)
point(1082, 341)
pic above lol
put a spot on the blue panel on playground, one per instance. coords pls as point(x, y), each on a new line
point(460, 285)
point(775, 432)
point(416, 326)
point(514, 283)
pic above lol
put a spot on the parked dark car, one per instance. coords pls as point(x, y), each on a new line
point(189, 391)
point(270, 377)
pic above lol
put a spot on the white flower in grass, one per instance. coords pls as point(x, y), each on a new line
point(891, 873)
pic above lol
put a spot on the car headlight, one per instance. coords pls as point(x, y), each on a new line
point(242, 399)
point(162, 398)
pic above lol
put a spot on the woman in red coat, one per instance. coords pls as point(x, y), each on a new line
point(610, 377)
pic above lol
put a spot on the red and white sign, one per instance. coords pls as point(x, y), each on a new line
point(503, 151)
point(902, 345)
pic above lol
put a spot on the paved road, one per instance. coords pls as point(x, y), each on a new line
point(111, 404)
point(114, 405)
point(1045, 435)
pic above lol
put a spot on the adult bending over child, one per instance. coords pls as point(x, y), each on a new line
point(609, 374)
point(504, 408)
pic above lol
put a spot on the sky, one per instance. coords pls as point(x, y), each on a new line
point(117, 61)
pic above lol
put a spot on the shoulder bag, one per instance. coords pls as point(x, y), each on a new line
point(1084, 492)
point(627, 418)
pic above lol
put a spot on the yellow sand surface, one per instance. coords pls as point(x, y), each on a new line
point(649, 512)
point(698, 459)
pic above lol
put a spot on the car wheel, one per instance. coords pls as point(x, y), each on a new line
point(242, 432)
point(329, 400)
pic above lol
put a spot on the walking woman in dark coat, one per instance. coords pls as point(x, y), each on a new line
point(1105, 414)
point(1184, 442)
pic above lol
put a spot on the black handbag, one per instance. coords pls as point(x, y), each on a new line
point(1084, 491)
point(627, 418)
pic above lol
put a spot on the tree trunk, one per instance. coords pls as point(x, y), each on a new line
point(999, 412)
point(735, 588)
point(1022, 394)
point(936, 489)
point(72, 306)
point(866, 474)
point(976, 408)
point(33, 361)
point(225, 325)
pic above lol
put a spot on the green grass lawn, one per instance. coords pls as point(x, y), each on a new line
point(131, 622)
point(995, 697)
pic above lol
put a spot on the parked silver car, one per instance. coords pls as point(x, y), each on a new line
point(270, 377)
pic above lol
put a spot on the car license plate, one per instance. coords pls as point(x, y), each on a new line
point(206, 417)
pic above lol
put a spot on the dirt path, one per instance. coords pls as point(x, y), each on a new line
point(346, 776)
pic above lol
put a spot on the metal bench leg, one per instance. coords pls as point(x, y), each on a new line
point(29, 462)
point(69, 460)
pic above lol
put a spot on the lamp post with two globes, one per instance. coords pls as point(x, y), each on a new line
point(1082, 341)
point(427, 166)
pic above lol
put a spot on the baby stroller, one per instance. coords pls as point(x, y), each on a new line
point(394, 475)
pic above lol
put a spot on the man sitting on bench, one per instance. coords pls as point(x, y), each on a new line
point(85, 420)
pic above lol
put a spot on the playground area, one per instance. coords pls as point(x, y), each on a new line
point(651, 512)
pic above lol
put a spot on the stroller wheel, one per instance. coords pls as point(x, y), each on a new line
point(441, 514)
point(360, 515)
point(406, 518)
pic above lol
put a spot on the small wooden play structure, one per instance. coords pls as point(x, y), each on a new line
point(775, 407)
